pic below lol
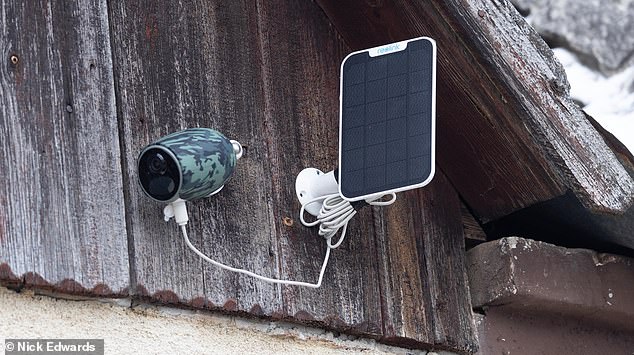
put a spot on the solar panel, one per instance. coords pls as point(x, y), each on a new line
point(387, 119)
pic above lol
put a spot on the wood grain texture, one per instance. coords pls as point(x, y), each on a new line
point(508, 134)
point(421, 241)
point(62, 223)
point(473, 232)
point(266, 74)
point(528, 68)
point(593, 166)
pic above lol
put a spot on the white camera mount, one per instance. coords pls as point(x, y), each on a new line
point(311, 184)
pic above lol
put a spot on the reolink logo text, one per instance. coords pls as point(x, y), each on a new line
point(390, 48)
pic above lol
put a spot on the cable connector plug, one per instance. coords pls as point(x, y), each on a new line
point(178, 211)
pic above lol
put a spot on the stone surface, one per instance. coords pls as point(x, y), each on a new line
point(598, 30)
point(511, 332)
point(538, 298)
point(145, 329)
point(523, 274)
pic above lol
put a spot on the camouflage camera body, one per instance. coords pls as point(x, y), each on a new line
point(189, 164)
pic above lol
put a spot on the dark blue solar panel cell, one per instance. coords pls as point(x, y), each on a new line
point(396, 150)
point(418, 45)
point(377, 69)
point(375, 90)
point(355, 74)
point(397, 85)
point(398, 172)
point(354, 138)
point(375, 133)
point(387, 119)
point(417, 61)
point(375, 112)
point(355, 116)
point(356, 176)
point(415, 78)
point(396, 107)
point(418, 168)
point(418, 124)
point(355, 96)
point(355, 159)
point(397, 129)
point(375, 155)
point(414, 148)
point(375, 177)
point(416, 103)
point(397, 63)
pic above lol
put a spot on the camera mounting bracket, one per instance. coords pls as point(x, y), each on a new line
point(311, 184)
point(177, 210)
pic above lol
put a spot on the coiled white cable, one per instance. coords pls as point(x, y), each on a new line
point(334, 214)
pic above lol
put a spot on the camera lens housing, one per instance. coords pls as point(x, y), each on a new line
point(157, 164)
point(159, 173)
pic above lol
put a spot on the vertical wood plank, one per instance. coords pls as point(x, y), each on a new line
point(61, 207)
point(425, 293)
point(298, 48)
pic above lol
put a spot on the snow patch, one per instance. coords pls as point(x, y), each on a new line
point(509, 243)
point(610, 100)
point(512, 242)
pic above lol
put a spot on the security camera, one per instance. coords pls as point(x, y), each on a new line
point(187, 165)
point(192, 164)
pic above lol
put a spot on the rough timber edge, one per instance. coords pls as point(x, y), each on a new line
point(576, 150)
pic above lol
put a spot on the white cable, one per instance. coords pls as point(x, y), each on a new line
point(252, 274)
point(334, 214)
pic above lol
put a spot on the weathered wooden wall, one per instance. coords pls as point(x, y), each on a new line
point(62, 223)
point(264, 73)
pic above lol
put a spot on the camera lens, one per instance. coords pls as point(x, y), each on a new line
point(157, 164)
point(159, 173)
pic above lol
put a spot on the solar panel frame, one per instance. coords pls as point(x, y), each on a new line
point(375, 118)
